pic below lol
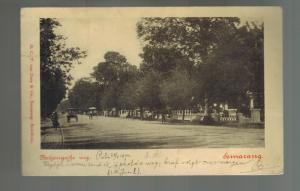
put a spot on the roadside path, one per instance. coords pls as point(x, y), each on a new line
point(51, 138)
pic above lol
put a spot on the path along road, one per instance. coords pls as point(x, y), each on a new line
point(119, 133)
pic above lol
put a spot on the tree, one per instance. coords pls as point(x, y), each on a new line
point(222, 56)
point(130, 98)
point(177, 92)
point(237, 67)
point(143, 92)
point(113, 74)
point(63, 106)
point(163, 60)
point(193, 37)
point(148, 91)
point(56, 62)
point(85, 94)
point(190, 42)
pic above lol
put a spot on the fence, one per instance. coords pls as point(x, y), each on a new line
point(230, 118)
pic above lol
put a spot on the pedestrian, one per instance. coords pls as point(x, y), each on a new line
point(163, 118)
point(91, 115)
point(54, 119)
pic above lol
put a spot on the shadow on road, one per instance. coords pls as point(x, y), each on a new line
point(105, 145)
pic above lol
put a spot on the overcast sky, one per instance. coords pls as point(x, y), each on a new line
point(97, 36)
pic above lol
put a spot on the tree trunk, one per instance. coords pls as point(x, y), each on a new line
point(183, 114)
point(141, 113)
point(206, 112)
point(117, 112)
point(130, 113)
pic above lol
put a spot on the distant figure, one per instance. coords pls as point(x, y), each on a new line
point(54, 119)
point(163, 118)
point(90, 114)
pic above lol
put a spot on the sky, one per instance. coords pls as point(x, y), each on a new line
point(97, 36)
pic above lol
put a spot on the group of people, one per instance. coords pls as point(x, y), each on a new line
point(91, 114)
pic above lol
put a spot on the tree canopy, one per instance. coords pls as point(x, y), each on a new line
point(85, 94)
point(56, 60)
point(224, 57)
point(178, 91)
point(113, 74)
point(186, 61)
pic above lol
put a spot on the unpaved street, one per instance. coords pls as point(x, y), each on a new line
point(118, 133)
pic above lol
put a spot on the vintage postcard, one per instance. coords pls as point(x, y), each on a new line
point(152, 91)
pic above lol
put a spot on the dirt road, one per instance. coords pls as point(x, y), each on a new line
point(120, 133)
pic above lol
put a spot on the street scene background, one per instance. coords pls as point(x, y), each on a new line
point(139, 83)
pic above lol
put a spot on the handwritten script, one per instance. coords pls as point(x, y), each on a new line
point(124, 164)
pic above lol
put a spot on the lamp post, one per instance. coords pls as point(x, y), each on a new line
point(254, 112)
point(251, 97)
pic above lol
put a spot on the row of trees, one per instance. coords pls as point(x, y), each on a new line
point(185, 62)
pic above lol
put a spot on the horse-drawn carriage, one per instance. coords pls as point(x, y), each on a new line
point(72, 113)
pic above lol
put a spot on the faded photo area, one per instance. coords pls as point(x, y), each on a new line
point(152, 83)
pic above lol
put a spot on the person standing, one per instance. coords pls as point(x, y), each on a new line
point(91, 114)
point(163, 118)
point(54, 119)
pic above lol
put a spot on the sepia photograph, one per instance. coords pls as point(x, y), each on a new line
point(152, 82)
point(152, 91)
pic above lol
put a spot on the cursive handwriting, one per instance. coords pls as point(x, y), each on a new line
point(124, 164)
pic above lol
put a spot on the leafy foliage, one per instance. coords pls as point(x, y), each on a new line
point(113, 74)
point(85, 94)
point(185, 62)
point(177, 92)
point(224, 58)
point(56, 61)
